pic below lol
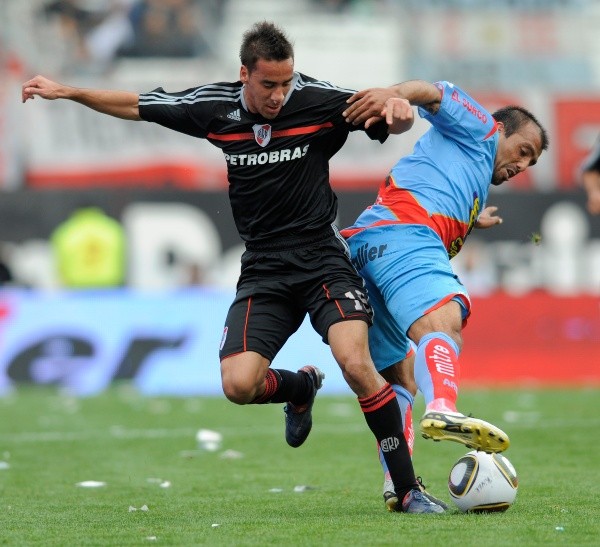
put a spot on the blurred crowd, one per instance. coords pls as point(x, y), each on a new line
point(96, 32)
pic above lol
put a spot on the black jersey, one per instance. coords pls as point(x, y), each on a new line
point(278, 169)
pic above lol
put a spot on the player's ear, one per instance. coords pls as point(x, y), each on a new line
point(500, 127)
point(243, 74)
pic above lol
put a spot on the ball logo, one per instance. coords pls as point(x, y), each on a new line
point(389, 444)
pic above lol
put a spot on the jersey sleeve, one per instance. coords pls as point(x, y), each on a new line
point(331, 101)
point(377, 132)
point(172, 110)
point(460, 117)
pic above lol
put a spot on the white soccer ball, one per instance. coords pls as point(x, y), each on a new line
point(481, 482)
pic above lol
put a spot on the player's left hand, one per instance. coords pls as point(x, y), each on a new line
point(487, 218)
point(367, 106)
point(399, 115)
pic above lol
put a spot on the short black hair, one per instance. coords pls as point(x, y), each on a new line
point(266, 41)
point(514, 117)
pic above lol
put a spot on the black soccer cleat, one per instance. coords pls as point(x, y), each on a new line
point(298, 419)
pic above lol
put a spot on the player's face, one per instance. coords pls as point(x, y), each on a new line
point(517, 152)
point(267, 85)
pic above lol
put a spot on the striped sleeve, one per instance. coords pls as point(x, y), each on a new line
point(188, 111)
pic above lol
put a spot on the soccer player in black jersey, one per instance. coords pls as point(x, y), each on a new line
point(278, 129)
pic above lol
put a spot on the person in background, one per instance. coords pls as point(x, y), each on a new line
point(590, 177)
point(403, 243)
point(167, 28)
point(90, 251)
point(278, 129)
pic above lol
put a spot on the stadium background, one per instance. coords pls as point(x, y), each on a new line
point(535, 280)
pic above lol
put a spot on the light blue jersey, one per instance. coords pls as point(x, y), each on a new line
point(423, 213)
point(444, 183)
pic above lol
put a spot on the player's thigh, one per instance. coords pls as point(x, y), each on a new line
point(447, 318)
point(261, 323)
point(387, 342)
point(335, 292)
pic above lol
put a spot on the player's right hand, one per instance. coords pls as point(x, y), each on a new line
point(40, 86)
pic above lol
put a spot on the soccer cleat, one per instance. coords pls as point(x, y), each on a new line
point(389, 496)
point(298, 419)
point(391, 499)
point(472, 432)
point(417, 502)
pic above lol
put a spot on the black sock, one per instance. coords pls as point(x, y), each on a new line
point(383, 417)
point(285, 385)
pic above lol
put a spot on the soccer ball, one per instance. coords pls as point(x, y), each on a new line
point(481, 482)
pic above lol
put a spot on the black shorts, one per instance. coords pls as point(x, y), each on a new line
point(278, 287)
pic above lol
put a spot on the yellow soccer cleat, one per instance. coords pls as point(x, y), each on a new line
point(472, 432)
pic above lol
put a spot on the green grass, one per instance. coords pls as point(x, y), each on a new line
point(51, 442)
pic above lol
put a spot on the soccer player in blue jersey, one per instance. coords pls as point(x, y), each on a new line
point(403, 243)
point(278, 129)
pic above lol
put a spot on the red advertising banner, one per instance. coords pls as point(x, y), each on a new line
point(577, 120)
point(537, 340)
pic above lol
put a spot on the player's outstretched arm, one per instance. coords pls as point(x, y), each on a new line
point(367, 106)
point(121, 104)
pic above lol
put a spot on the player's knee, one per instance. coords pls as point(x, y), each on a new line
point(238, 391)
point(401, 374)
point(358, 373)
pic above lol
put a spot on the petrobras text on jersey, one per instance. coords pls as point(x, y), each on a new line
point(275, 156)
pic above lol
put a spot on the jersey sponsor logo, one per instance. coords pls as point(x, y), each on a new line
point(235, 115)
point(480, 115)
point(275, 156)
point(456, 245)
point(262, 133)
point(366, 253)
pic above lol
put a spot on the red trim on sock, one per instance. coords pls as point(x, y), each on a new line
point(270, 389)
point(377, 400)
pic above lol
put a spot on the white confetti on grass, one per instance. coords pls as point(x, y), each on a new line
point(231, 455)
point(162, 483)
point(209, 440)
point(4, 465)
point(303, 488)
point(91, 484)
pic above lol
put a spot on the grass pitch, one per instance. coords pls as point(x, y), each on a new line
point(159, 488)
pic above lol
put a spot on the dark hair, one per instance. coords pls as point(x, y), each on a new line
point(264, 41)
point(514, 117)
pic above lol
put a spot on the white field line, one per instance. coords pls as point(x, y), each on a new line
point(123, 433)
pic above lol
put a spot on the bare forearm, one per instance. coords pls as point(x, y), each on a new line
point(121, 104)
point(419, 93)
point(367, 106)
